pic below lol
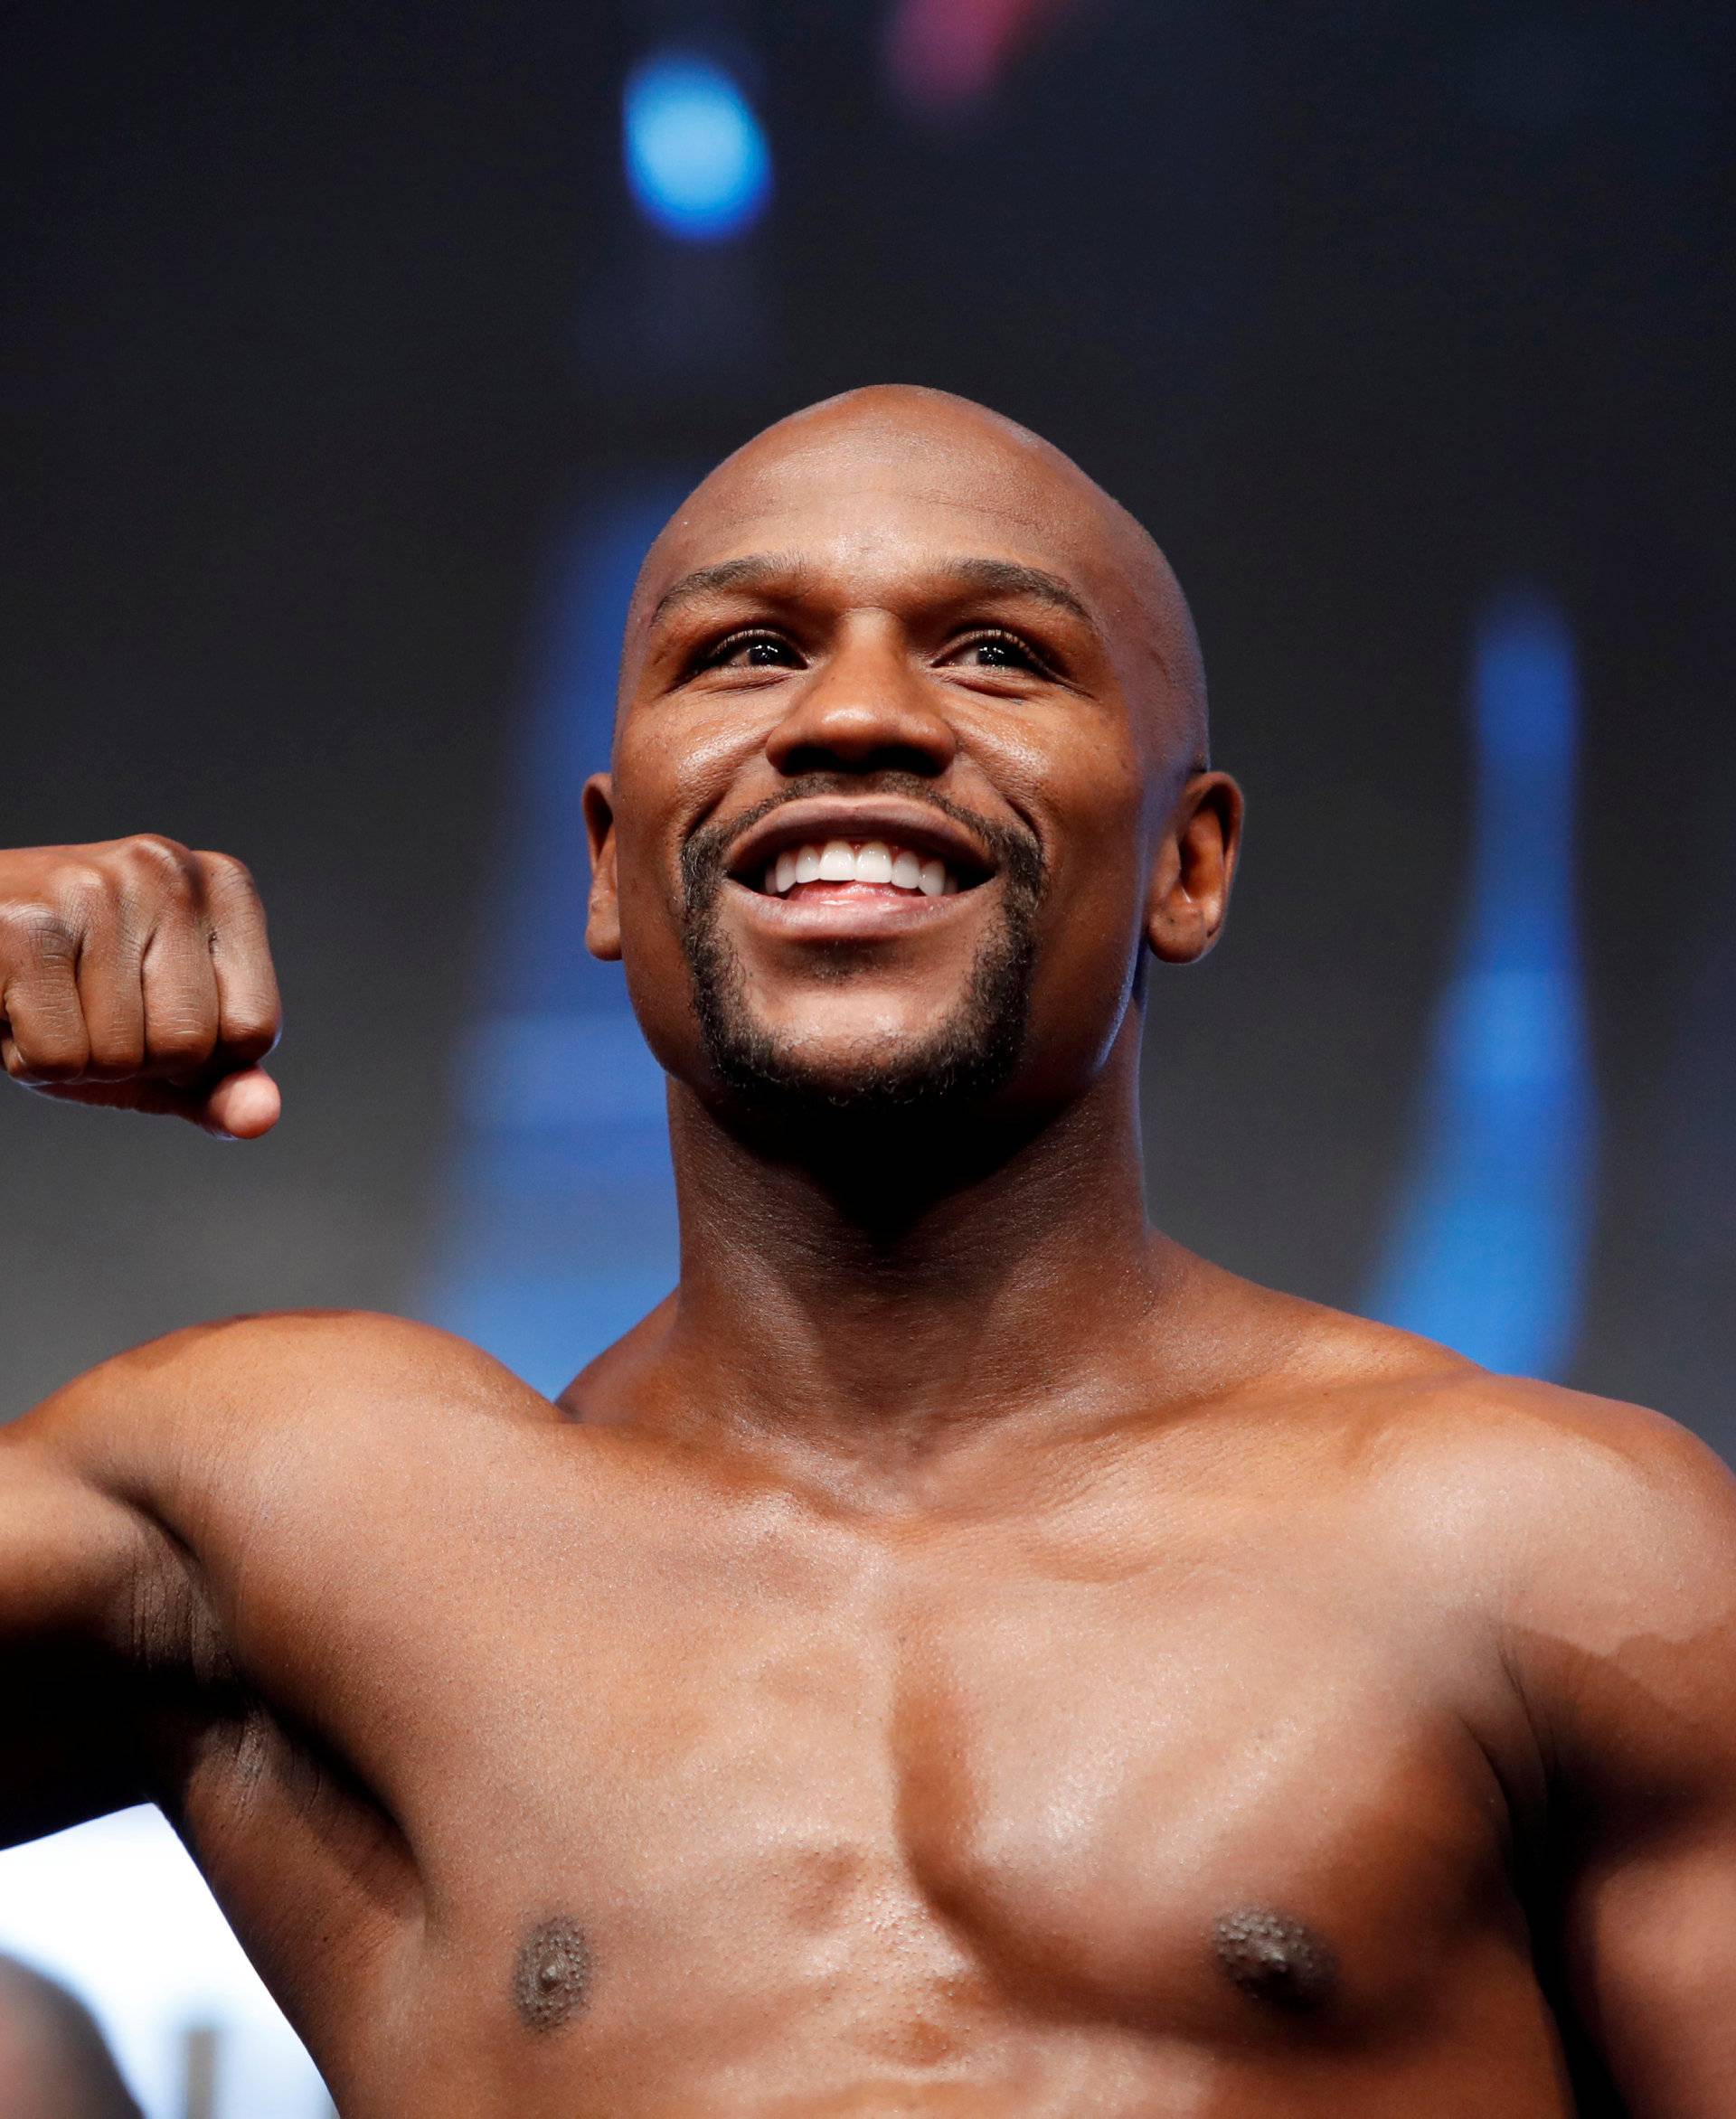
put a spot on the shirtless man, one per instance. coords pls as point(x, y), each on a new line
point(960, 1654)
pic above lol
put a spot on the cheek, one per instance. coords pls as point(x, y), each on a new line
point(660, 990)
point(679, 759)
point(648, 907)
point(673, 769)
point(1091, 927)
point(669, 779)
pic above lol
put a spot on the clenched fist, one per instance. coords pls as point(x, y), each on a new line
point(136, 974)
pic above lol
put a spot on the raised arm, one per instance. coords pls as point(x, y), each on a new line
point(1625, 1642)
point(132, 974)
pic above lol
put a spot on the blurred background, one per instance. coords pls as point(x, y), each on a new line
point(351, 358)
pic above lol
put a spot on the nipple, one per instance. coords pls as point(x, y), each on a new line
point(1275, 1959)
point(551, 1976)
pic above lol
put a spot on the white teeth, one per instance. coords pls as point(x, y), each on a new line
point(838, 862)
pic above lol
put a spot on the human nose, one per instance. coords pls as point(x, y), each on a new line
point(864, 710)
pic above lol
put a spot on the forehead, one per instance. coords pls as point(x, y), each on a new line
point(867, 507)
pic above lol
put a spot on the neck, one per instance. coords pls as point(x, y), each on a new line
point(897, 1286)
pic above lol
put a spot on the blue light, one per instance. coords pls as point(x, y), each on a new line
point(697, 157)
point(1489, 1248)
point(558, 1228)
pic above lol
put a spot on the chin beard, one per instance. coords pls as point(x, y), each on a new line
point(957, 1066)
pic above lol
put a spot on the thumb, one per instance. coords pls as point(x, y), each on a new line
point(242, 1106)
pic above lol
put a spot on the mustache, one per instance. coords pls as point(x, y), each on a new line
point(1017, 851)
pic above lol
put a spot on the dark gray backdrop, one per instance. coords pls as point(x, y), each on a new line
point(321, 323)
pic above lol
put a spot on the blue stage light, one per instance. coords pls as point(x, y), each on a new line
point(696, 156)
point(558, 1228)
point(1491, 1243)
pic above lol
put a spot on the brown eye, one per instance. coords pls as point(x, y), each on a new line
point(751, 650)
point(1000, 651)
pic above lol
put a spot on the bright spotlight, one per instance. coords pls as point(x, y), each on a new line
point(697, 157)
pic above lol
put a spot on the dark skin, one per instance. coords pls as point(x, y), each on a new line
point(961, 1655)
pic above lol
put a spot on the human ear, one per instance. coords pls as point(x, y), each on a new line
point(603, 916)
point(1195, 865)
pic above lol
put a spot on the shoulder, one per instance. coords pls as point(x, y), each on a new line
point(131, 1493)
point(1558, 1492)
point(1598, 1538)
point(1579, 1498)
point(1623, 1528)
point(1476, 1448)
point(1591, 1542)
point(1558, 1507)
point(212, 1387)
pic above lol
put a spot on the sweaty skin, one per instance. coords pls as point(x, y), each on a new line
point(961, 1655)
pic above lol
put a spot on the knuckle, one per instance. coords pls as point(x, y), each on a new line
point(252, 1036)
point(55, 1052)
point(226, 868)
point(47, 1066)
point(32, 931)
point(116, 1049)
point(156, 847)
point(108, 1064)
point(78, 884)
point(180, 1040)
point(154, 865)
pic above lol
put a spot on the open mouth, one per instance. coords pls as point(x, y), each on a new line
point(887, 854)
point(879, 862)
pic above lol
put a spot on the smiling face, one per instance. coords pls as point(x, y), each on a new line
point(905, 768)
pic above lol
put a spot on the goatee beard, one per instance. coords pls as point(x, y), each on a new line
point(959, 1067)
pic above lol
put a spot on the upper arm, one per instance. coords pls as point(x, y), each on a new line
point(76, 1564)
point(134, 1507)
point(1625, 1639)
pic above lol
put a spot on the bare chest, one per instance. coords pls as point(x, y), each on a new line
point(676, 1790)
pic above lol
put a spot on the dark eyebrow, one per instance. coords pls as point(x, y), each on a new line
point(984, 577)
point(728, 574)
point(1009, 577)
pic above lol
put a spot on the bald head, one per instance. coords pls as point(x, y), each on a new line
point(872, 450)
point(907, 626)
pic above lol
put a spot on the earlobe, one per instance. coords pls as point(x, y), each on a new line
point(603, 916)
point(1178, 931)
point(1174, 940)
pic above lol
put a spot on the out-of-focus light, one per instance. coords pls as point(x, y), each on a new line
point(556, 1232)
point(944, 54)
point(1491, 1242)
point(696, 156)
